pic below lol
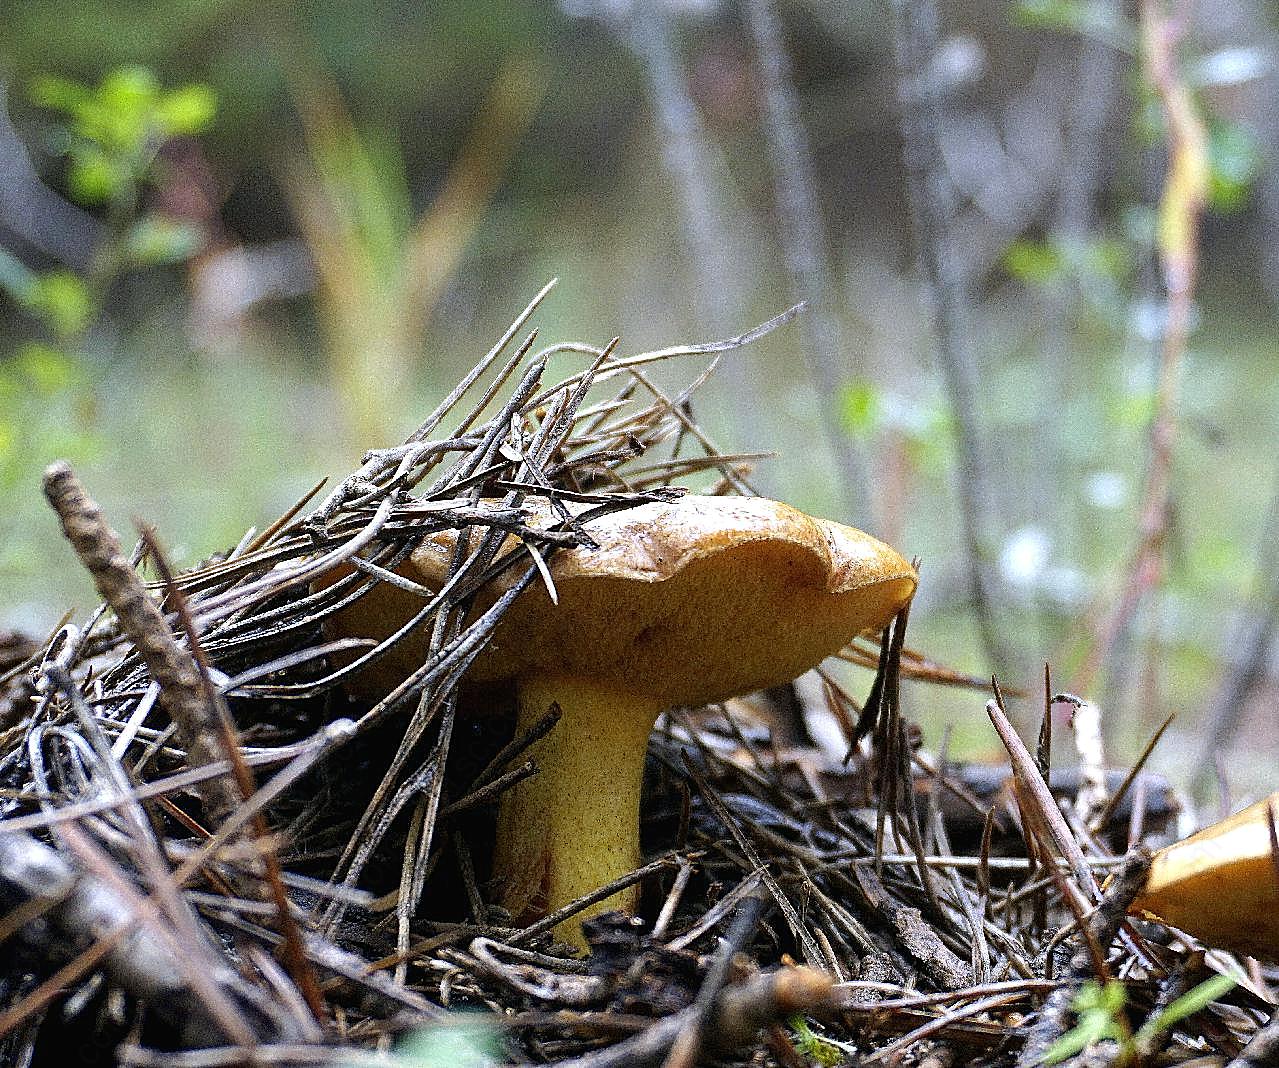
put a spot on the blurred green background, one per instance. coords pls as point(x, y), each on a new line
point(241, 243)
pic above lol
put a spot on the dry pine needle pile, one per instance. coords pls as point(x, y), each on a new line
point(213, 853)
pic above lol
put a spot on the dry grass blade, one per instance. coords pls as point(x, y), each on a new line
point(1045, 806)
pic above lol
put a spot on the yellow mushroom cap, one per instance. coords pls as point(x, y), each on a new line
point(1222, 884)
point(692, 601)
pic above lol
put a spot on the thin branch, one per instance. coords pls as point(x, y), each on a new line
point(932, 209)
point(804, 246)
point(1181, 206)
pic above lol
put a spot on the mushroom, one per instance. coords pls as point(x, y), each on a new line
point(681, 603)
point(1221, 885)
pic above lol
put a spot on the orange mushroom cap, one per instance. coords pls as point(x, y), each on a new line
point(692, 601)
point(1221, 885)
point(680, 603)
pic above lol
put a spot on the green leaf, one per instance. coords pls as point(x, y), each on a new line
point(47, 370)
point(860, 408)
point(63, 301)
point(1050, 262)
point(124, 118)
point(1089, 18)
point(1098, 1009)
point(188, 110)
point(1132, 411)
point(1234, 161)
point(158, 239)
point(1034, 262)
point(1076, 1040)
point(1073, 16)
point(1049, 14)
point(129, 90)
point(1072, 1042)
point(1109, 999)
point(58, 94)
point(1188, 1004)
point(813, 1046)
point(93, 178)
point(119, 118)
point(1104, 258)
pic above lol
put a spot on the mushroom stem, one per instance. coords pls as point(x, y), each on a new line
point(574, 826)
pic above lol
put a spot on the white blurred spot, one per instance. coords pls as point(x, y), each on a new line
point(1025, 556)
point(959, 61)
point(1026, 565)
point(1150, 316)
point(1232, 66)
point(1106, 489)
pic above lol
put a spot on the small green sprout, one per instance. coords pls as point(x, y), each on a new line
point(1100, 1011)
point(816, 1049)
point(114, 129)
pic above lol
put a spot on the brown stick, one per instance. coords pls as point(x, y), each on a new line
point(172, 667)
point(1262, 1050)
point(1027, 775)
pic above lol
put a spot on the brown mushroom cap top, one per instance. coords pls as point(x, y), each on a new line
point(691, 601)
